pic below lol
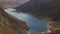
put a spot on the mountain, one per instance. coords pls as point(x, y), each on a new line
point(47, 8)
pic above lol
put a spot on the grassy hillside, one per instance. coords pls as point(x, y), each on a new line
point(10, 25)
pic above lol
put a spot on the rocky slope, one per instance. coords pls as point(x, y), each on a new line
point(11, 25)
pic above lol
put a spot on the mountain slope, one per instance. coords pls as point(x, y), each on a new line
point(41, 8)
point(11, 25)
point(12, 3)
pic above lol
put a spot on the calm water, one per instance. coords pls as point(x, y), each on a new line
point(35, 24)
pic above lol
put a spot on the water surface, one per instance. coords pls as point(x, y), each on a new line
point(35, 24)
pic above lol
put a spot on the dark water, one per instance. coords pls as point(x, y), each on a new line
point(35, 24)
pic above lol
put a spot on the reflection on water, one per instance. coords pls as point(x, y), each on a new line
point(35, 24)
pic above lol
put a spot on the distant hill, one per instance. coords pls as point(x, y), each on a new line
point(12, 3)
point(41, 8)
